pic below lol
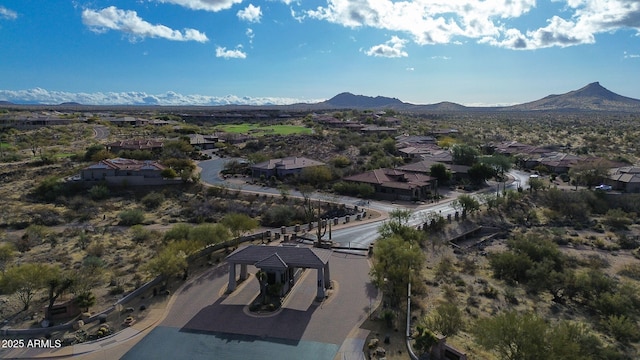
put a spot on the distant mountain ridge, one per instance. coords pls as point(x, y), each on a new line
point(593, 97)
point(361, 101)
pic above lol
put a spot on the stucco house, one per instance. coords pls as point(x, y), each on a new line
point(390, 184)
point(284, 167)
point(140, 144)
point(121, 171)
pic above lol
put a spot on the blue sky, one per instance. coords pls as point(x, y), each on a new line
point(283, 51)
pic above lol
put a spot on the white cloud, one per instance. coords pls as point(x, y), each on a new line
point(250, 13)
point(170, 98)
point(230, 54)
point(391, 49)
point(490, 21)
point(207, 5)
point(631, 56)
point(129, 22)
point(410, 69)
point(8, 13)
point(250, 34)
point(440, 57)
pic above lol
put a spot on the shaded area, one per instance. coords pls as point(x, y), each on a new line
point(287, 324)
point(173, 343)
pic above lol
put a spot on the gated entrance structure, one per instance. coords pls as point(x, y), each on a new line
point(280, 264)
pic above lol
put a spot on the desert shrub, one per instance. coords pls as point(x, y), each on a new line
point(278, 216)
point(131, 217)
point(621, 328)
point(353, 189)
point(631, 271)
point(139, 234)
point(99, 192)
point(95, 249)
point(445, 268)
point(177, 232)
point(626, 242)
point(208, 234)
point(340, 161)
point(618, 219)
point(49, 189)
point(446, 319)
point(169, 173)
point(153, 200)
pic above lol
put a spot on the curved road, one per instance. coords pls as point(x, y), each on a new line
point(362, 235)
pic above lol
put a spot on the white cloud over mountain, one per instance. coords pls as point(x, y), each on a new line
point(43, 96)
point(128, 21)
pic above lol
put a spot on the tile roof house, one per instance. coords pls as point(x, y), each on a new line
point(121, 171)
point(283, 167)
point(393, 184)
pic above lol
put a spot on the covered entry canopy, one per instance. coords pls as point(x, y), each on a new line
point(281, 257)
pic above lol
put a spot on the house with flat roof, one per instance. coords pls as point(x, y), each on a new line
point(393, 184)
point(284, 167)
point(120, 171)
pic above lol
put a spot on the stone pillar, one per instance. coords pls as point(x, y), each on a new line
point(232, 277)
point(283, 230)
point(320, 284)
point(335, 221)
point(243, 272)
point(327, 276)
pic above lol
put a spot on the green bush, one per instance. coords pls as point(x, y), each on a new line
point(153, 200)
point(622, 328)
point(99, 192)
point(177, 232)
point(131, 217)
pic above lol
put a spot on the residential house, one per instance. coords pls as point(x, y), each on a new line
point(625, 179)
point(127, 121)
point(458, 172)
point(284, 167)
point(441, 156)
point(203, 142)
point(390, 184)
point(121, 171)
point(555, 162)
point(379, 130)
point(151, 145)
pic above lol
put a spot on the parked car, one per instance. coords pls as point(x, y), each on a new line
point(603, 187)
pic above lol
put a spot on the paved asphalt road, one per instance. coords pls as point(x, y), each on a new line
point(206, 324)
